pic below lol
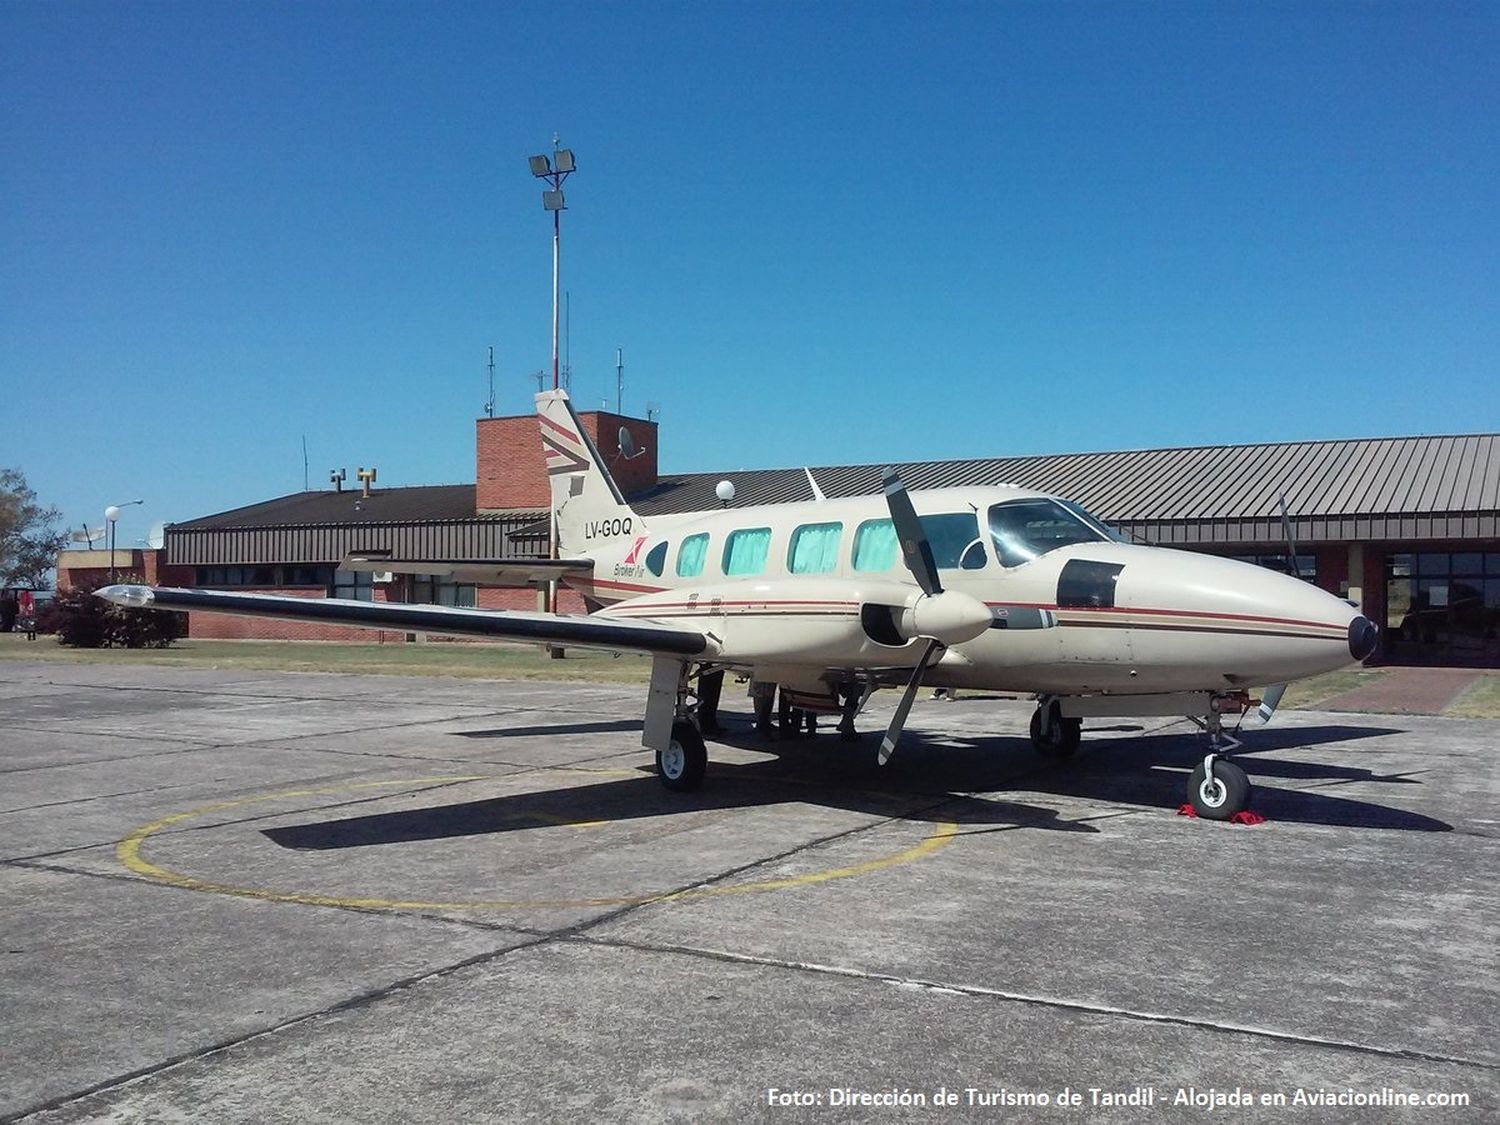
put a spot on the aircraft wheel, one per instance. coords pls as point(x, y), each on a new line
point(1061, 741)
point(1228, 794)
point(682, 764)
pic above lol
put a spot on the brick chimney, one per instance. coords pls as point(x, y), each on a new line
point(510, 472)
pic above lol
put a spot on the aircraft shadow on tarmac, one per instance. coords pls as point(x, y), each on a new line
point(932, 777)
point(730, 786)
point(1145, 769)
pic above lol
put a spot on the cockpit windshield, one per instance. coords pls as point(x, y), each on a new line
point(1023, 530)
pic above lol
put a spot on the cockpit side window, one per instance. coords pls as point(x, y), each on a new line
point(1023, 530)
point(955, 540)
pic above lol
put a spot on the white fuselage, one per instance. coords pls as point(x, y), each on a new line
point(1130, 619)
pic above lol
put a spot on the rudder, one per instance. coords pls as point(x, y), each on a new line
point(589, 505)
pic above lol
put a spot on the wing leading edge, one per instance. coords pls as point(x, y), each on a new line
point(520, 625)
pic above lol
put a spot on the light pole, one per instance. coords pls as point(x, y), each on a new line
point(112, 513)
point(554, 170)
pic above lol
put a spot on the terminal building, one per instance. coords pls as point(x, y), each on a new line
point(1407, 527)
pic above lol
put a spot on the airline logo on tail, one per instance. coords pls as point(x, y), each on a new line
point(565, 450)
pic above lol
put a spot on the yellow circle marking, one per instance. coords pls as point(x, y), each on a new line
point(128, 851)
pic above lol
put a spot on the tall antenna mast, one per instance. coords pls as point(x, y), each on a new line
point(567, 364)
point(619, 380)
point(306, 486)
point(489, 406)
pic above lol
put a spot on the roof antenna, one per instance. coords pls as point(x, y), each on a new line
point(619, 380)
point(489, 406)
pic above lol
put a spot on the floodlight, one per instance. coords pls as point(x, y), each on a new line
point(553, 201)
point(541, 166)
point(564, 158)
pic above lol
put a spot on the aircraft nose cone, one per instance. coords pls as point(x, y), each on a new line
point(1362, 637)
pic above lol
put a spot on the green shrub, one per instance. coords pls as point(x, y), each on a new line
point(84, 621)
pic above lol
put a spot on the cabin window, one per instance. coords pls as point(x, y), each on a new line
point(745, 551)
point(656, 559)
point(875, 545)
point(1023, 530)
point(955, 541)
point(953, 537)
point(814, 548)
point(691, 554)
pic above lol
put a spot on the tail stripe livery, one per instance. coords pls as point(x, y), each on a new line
point(588, 504)
point(565, 452)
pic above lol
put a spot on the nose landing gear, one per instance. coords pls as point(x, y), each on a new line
point(1217, 788)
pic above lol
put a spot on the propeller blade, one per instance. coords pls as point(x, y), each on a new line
point(898, 720)
point(1270, 701)
point(914, 546)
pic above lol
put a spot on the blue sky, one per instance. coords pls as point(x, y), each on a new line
point(822, 232)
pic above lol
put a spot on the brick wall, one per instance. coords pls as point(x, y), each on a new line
point(510, 471)
point(204, 626)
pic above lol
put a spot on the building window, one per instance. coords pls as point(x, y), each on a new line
point(745, 551)
point(435, 589)
point(1443, 607)
point(357, 585)
point(691, 555)
point(264, 575)
point(814, 548)
point(1306, 565)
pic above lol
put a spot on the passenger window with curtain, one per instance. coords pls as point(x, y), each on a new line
point(875, 547)
point(745, 551)
point(814, 548)
point(691, 554)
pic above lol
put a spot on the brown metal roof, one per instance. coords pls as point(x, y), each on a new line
point(1370, 488)
point(1365, 488)
point(384, 505)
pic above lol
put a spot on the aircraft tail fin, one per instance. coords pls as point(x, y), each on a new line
point(589, 506)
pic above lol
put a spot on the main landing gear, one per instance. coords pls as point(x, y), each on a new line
point(1052, 735)
point(683, 763)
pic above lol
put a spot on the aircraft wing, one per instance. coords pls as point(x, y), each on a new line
point(516, 571)
point(612, 634)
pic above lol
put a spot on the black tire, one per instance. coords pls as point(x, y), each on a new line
point(1229, 794)
point(1061, 742)
point(682, 766)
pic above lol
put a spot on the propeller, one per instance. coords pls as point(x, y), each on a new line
point(1270, 699)
point(942, 617)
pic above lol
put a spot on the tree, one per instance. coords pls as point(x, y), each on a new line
point(29, 535)
point(83, 621)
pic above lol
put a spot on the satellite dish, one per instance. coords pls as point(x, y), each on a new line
point(156, 538)
point(724, 490)
point(627, 444)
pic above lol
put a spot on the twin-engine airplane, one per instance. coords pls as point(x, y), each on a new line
point(996, 588)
